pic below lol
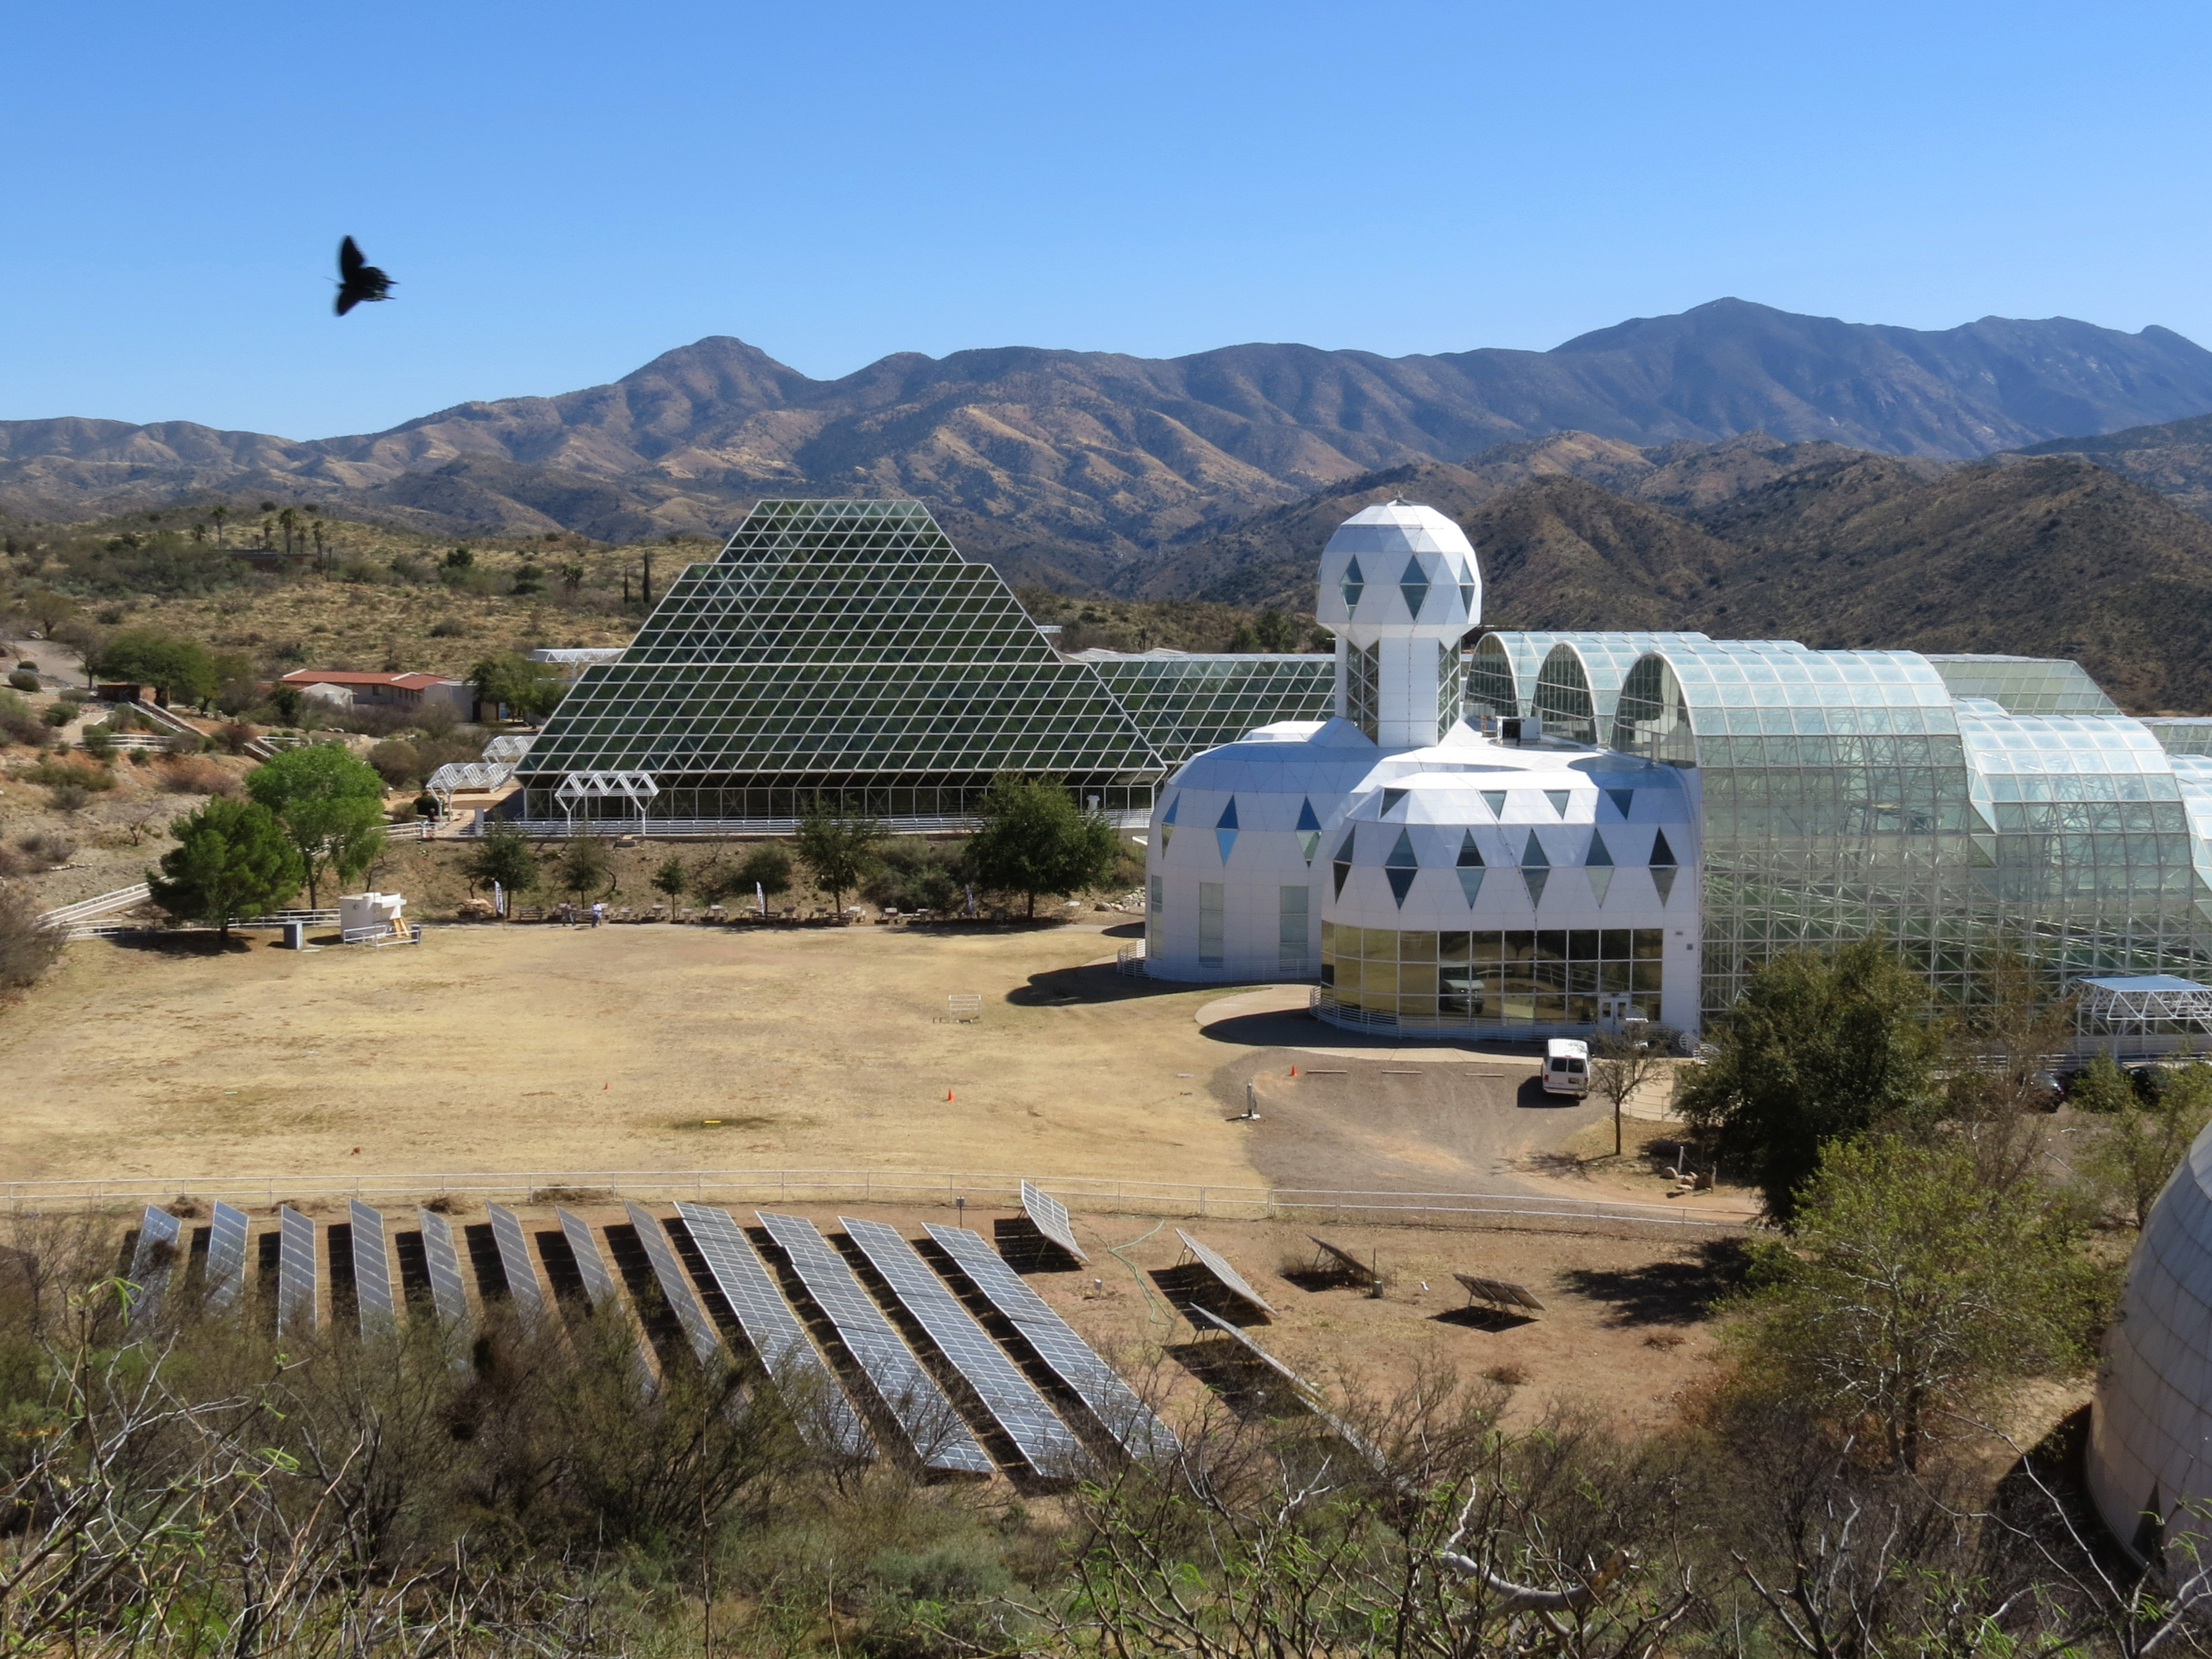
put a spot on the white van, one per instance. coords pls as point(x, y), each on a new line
point(1567, 1067)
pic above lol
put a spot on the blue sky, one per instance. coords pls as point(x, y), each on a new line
point(566, 190)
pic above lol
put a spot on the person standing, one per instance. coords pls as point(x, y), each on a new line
point(599, 912)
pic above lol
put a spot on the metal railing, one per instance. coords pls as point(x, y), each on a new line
point(84, 909)
point(1091, 1193)
point(1130, 960)
point(658, 829)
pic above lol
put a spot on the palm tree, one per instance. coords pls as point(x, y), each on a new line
point(288, 519)
point(219, 513)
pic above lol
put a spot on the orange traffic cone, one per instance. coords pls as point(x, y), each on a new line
point(948, 1094)
point(1294, 1071)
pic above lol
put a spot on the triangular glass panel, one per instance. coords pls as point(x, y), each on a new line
point(1663, 855)
point(1352, 586)
point(1536, 880)
point(1622, 799)
point(1470, 883)
point(1663, 878)
point(1532, 856)
point(1306, 818)
point(1470, 855)
point(1228, 818)
point(1402, 867)
point(1466, 592)
point(1343, 860)
point(1309, 843)
point(1224, 829)
point(1600, 883)
point(1600, 856)
point(1390, 799)
point(1495, 800)
point(1402, 882)
point(1558, 798)
point(1984, 851)
point(1415, 587)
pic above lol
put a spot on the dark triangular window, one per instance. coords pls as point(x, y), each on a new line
point(1495, 800)
point(1415, 587)
point(1342, 863)
point(1600, 855)
point(1662, 853)
point(1390, 799)
point(1467, 590)
point(1558, 798)
point(1470, 855)
point(1309, 830)
point(1622, 799)
point(1224, 829)
point(1402, 867)
point(1532, 856)
point(1352, 586)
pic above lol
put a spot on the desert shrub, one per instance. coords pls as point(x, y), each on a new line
point(23, 680)
point(234, 736)
point(17, 720)
point(60, 713)
point(919, 875)
point(398, 763)
point(98, 741)
point(45, 848)
point(448, 627)
point(198, 775)
point(61, 774)
point(27, 950)
point(73, 693)
point(69, 798)
point(184, 743)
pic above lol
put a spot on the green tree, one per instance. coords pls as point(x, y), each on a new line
point(1622, 1068)
point(1909, 1294)
point(2130, 1160)
point(1821, 1046)
point(1274, 631)
point(532, 690)
point(504, 856)
point(331, 805)
point(1035, 840)
point(584, 866)
point(672, 880)
point(839, 852)
point(2102, 1086)
point(285, 700)
point(765, 870)
point(232, 860)
point(182, 670)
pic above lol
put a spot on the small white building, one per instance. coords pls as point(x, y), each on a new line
point(1434, 879)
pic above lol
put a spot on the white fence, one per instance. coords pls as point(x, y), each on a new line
point(106, 904)
point(1537, 1212)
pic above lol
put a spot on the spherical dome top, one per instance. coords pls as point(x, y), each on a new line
point(2150, 1435)
point(1397, 566)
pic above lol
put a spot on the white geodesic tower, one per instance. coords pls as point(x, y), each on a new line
point(1400, 589)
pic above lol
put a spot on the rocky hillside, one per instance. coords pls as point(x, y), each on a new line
point(1076, 463)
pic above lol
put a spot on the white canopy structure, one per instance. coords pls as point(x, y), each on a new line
point(2142, 1005)
point(577, 788)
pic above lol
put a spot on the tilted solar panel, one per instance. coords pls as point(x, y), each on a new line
point(1230, 1279)
point(151, 1262)
point(1049, 1217)
point(591, 1265)
point(1308, 1395)
point(1352, 1264)
point(443, 1258)
point(296, 1310)
point(226, 1257)
point(779, 1341)
point(1500, 1292)
point(372, 1271)
point(939, 1438)
point(514, 1264)
point(1097, 1383)
point(1031, 1423)
point(675, 1284)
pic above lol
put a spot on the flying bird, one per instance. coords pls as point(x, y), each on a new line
point(358, 279)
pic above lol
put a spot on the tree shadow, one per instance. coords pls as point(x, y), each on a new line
point(183, 944)
point(1676, 1292)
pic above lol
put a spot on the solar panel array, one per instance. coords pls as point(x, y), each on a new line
point(1011, 1398)
point(150, 1268)
point(675, 1284)
point(934, 1428)
point(778, 1340)
point(1097, 1383)
point(226, 1256)
point(1049, 1217)
point(514, 1264)
point(443, 1258)
point(296, 1273)
point(1308, 1395)
point(591, 1265)
point(372, 1271)
point(1345, 1259)
point(1500, 1292)
point(1230, 1279)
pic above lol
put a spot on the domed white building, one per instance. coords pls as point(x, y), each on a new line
point(1432, 877)
point(2150, 1431)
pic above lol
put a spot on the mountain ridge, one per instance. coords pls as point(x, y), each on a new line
point(1089, 458)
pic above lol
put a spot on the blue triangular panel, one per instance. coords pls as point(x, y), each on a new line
point(1402, 882)
point(1352, 586)
point(1390, 799)
point(1532, 856)
point(1600, 856)
point(1662, 853)
point(1535, 878)
point(1622, 799)
point(1470, 883)
point(1228, 818)
point(1558, 798)
point(1401, 855)
point(1495, 800)
point(1470, 855)
point(1226, 840)
point(1415, 587)
point(1306, 818)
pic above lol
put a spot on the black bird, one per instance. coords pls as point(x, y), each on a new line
point(358, 279)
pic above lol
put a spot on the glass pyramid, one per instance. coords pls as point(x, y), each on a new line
point(1184, 704)
point(843, 647)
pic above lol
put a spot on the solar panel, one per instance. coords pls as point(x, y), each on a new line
point(296, 1273)
point(1500, 1292)
point(1231, 1280)
point(1351, 1263)
point(1308, 1395)
point(1049, 1217)
point(1034, 1427)
point(778, 1340)
point(372, 1271)
point(514, 1263)
point(1097, 1383)
point(447, 1293)
point(675, 1284)
point(932, 1427)
point(591, 1265)
point(226, 1256)
point(151, 1263)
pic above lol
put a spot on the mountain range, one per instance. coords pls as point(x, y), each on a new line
point(1097, 469)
